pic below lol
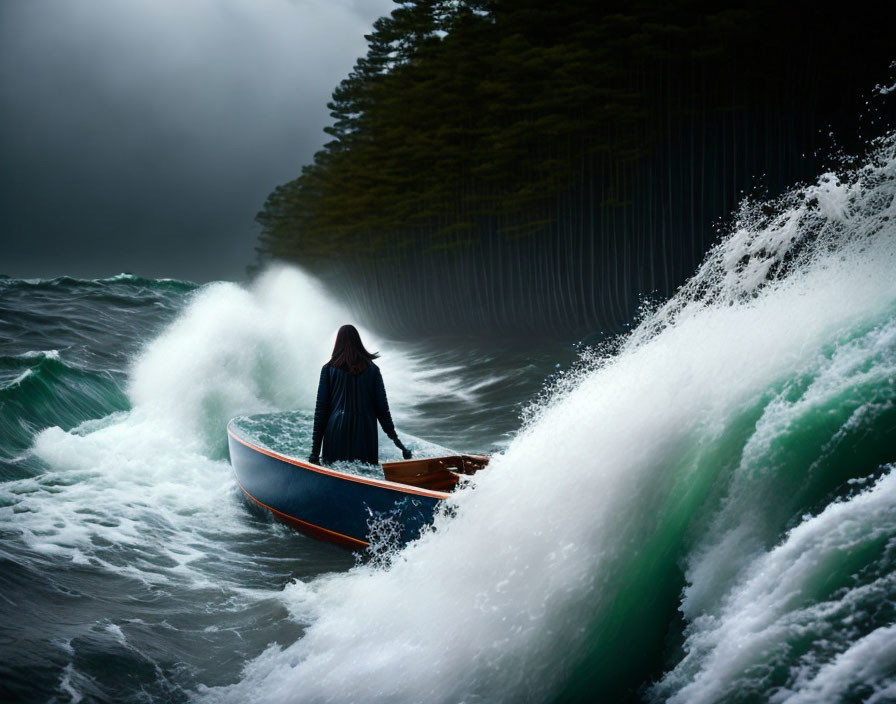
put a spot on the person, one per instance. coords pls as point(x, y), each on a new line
point(351, 398)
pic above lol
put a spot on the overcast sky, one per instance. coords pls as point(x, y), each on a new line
point(144, 135)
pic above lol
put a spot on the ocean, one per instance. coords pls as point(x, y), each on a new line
point(702, 509)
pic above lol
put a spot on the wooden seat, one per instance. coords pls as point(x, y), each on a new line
point(435, 473)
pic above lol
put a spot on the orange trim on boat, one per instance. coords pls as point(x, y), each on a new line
point(403, 488)
point(310, 528)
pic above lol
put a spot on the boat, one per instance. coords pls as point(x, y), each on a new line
point(341, 507)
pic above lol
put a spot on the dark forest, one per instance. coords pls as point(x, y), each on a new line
point(529, 166)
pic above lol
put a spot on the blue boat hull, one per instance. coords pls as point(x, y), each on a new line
point(327, 504)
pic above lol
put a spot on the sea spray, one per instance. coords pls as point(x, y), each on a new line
point(130, 564)
point(632, 523)
point(236, 350)
point(630, 526)
point(788, 625)
point(153, 476)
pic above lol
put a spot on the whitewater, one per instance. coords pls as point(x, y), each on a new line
point(703, 510)
point(744, 435)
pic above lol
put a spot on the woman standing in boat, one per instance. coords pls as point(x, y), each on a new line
point(351, 398)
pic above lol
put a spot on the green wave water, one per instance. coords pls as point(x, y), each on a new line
point(704, 513)
point(737, 504)
point(66, 345)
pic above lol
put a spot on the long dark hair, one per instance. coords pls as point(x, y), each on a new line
point(349, 352)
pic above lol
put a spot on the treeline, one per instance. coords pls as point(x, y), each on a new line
point(539, 165)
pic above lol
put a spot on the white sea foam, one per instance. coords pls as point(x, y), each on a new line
point(237, 351)
point(870, 662)
point(785, 597)
point(154, 478)
point(150, 478)
point(18, 380)
point(43, 354)
point(746, 523)
point(68, 687)
point(497, 604)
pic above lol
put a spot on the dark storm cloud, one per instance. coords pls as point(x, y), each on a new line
point(143, 135)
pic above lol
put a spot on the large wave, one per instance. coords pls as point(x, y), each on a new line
point(146, 491)
point(708, 515)
point(705, 515)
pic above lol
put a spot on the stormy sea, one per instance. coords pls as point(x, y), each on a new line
point(701, 509)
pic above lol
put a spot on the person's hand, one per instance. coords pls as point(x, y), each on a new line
point(405, 452)
point(314, 459)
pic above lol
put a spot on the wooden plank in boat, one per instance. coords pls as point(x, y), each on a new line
point(436, 473)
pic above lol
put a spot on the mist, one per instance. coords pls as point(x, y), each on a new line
point(144, 136)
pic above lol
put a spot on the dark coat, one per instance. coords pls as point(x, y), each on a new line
point(345, 416)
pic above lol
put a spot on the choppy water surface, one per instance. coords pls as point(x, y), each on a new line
point(131, 566)
point(706, 514)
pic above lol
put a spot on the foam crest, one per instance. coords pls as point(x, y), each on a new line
point(868, 664)
point(573, 535)
point(849, 387)
point(155, 478)
point(237, 350)
point(823, 227)
point(126, 483)
point(794, 593)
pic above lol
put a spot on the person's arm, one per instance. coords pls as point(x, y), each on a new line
point(385, 417)
point(321, 415)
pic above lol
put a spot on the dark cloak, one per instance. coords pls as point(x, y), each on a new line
point(346, 413)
